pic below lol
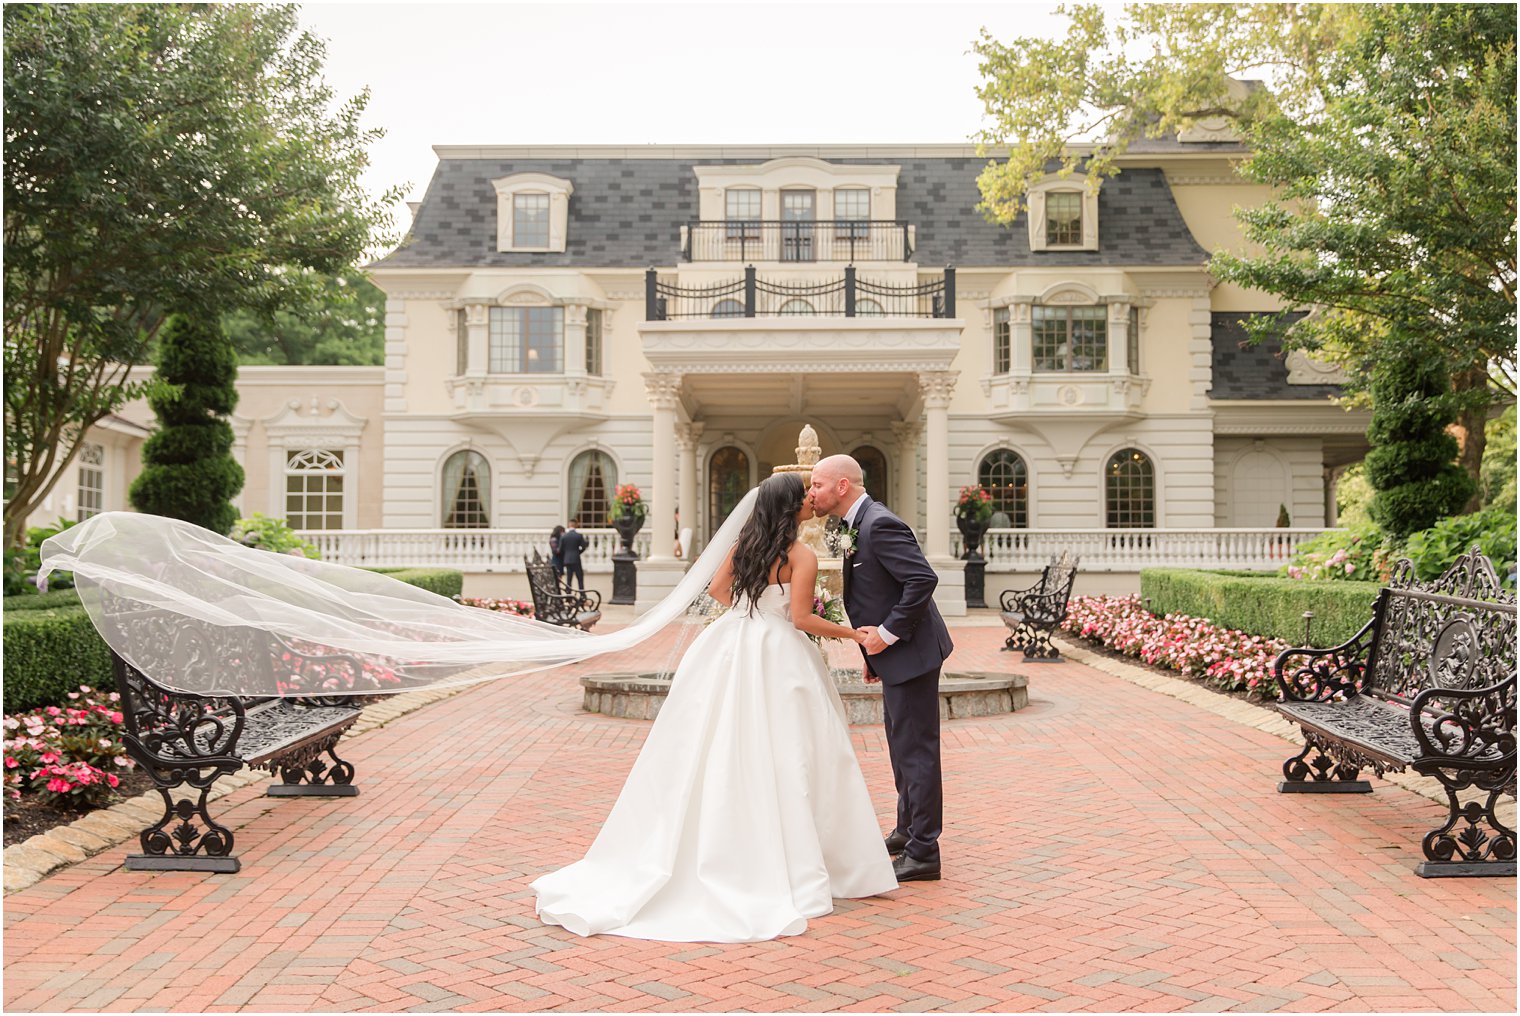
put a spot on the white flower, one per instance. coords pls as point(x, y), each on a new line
point(846, 544)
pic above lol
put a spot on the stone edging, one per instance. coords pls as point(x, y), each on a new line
point(33, 859)
point(1243, 713)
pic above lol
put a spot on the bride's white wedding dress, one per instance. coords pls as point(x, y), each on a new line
point(745, 813)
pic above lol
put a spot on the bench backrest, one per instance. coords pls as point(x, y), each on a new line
point(1058, 576)
point(1455, 633)
point(545, 587)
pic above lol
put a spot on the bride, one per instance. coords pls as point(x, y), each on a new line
point(746, 812)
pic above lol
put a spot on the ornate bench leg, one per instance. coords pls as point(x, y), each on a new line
point(187, 846)
point(1321, 774)
point(1473, 850)
point(1038, 648)
point(307, 775)
point(1018, 638)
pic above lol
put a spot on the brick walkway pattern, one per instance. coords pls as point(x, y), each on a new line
point(1107, 849)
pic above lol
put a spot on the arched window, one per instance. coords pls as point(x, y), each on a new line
point(1006, 478)
point(1130, 489)
point(727, 482)
point(313, 488)
point(867, 307)
point(728, 308)
point(466, 491)
point(873, 465)
point(796, 307)
point(591, 483)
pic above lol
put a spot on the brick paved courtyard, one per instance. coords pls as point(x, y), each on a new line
point(1110, 848)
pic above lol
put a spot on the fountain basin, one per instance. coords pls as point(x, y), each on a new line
point(961, 694)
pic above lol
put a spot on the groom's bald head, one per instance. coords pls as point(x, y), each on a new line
point(837, 484)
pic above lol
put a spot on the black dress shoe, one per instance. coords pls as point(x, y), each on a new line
point(896, 843)
point(909, 869)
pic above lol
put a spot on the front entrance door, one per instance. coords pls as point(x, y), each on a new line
point(798, 220)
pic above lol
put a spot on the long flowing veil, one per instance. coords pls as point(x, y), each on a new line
point(202, 614)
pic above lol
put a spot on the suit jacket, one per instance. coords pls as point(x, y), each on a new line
point(571, 543)
point(888, 582)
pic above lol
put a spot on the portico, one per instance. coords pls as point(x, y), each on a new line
point(748, 384)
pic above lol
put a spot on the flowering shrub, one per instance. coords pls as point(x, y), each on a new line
point(67, 754)
point(506, 606)
point(265, 533)
point(974, 503)
point(1357, 554)
point(1227, 659)
point(627, 501)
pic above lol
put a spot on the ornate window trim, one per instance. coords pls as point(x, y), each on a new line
point(301, 426)
point(558, 190)
point(320, 464)
point(1075, 183)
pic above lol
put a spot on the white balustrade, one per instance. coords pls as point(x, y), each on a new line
point(469, 550)
point(1127, 550)
point(1006, 550)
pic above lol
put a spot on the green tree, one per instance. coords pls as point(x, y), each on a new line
point(1388, 132)
point(158, 156)
point(188, 469)
point(343, 324)
point(1410, 465)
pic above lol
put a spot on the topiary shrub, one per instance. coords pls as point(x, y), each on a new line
point(1263, 605)
point(188, 469)
point(1412, 464)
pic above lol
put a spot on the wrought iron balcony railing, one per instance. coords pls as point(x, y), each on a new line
point(746, 240)
point(846, 295)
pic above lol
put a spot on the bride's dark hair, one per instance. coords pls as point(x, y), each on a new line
point(767, 534)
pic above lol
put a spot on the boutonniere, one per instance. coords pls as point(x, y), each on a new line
point(846, 540)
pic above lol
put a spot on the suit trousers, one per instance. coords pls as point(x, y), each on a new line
point(911, 712)
point(577, 572)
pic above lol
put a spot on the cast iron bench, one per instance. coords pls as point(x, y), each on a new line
point(558, 604)
point(1032, 614)
point(186, 742)
point(1428, 684)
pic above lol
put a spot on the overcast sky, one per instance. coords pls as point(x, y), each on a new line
point(637, 73)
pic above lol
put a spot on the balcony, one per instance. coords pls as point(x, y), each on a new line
point(789, 241)
point(846, 295)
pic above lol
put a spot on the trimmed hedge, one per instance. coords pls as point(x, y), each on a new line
point(1262, 604)
point(44, 629)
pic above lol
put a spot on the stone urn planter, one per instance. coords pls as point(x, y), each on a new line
point(627, 527)
point(972, 531)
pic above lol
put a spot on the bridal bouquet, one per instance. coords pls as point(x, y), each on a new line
point(830, 608)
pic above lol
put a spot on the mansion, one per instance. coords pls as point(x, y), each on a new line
point(561, 321)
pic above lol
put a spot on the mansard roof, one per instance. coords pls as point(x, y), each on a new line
point(1244, 371)
point(627, 210)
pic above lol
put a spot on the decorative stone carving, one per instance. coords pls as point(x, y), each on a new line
point(664, 390)
point(938, 387)
point(1305, 370)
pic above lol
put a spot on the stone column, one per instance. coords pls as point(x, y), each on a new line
point(907, 434)
point(687, 437)
point(659, 574)
point(574, 365)
point(938, 388)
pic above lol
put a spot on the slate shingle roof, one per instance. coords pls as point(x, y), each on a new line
point(1254, 372)
point(627, 213)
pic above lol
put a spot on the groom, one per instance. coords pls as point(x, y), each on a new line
point(888, 593)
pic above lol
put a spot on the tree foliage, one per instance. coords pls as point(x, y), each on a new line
point(343, 323)
point(158, 156)
point(1388, 133)
point(188, 469)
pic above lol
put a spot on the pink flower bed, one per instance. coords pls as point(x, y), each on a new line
point(493, 603)
point(67, 753)
point(1194, 646)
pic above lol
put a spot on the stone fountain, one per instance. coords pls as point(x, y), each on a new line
point(961, 694)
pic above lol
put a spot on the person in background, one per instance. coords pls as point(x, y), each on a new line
point(557, 555)
point(571, 545)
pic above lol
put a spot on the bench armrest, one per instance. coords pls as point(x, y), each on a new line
point(1044, 608)
point(1011, 598)
point(1324, 675)
point(1475, 726)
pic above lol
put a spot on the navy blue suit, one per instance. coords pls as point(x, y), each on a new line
point(571, 545)
point(888, 583)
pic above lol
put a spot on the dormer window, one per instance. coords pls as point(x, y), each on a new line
point(1063, 219)
point(852, 213)
point(532, 212)
point(1063, 215)
point(741, 209)
point(530, 220)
